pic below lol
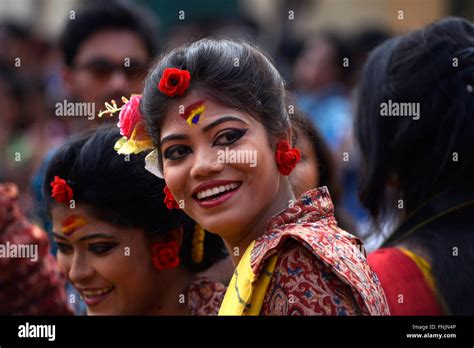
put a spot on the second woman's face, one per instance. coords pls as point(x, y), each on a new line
point(222, 167)
point(110, 266)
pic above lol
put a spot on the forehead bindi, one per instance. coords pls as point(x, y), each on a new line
point(72, 223)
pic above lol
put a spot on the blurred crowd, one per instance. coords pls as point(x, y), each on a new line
point(37, 73)
point(414, 172)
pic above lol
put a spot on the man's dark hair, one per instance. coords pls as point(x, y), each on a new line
point(104, 15)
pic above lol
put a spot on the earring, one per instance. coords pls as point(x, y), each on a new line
point(165, 255)
point(169, 199)
point(286, 157)
point(197, 252)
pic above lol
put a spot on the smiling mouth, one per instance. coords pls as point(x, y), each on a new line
point(216, 192)
point(93, 297)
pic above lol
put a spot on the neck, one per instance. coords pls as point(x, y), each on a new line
point(279, 203)
point(173, 298)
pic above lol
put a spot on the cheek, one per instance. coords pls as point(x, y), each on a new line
point(176, 176)
point(87, 84)
point(131, 269)
point(64, 263)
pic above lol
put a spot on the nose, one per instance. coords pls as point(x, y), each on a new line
point(205, 163)
point(80, 269)
point(118, 81)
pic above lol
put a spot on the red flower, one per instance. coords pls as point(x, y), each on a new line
point(129, 116)
point(165, 255)
point(169, 199)
point(61, 192)
point(174, 82)
point(286, 157)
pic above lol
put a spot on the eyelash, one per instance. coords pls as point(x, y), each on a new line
point(63, 248)
point(101, 248)
point(96, 248)
point(234, 131)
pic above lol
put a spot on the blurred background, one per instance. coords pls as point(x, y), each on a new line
point(319, 46)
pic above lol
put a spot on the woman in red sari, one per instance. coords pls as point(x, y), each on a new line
point(216, 112)
point(418, 170)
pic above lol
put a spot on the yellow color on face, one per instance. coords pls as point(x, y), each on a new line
point(196, 112)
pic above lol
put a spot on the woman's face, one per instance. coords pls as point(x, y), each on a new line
point(305, 176)
point(110, 266)
point(222, 168)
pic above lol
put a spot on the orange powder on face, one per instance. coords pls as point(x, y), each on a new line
point(72, 223)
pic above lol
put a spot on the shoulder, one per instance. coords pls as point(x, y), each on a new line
point(205, 296)
point(303, 285)
point(408, 287)
point(341, 253)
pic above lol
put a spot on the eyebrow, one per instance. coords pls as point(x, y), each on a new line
point(204, 129)
point(91, 236)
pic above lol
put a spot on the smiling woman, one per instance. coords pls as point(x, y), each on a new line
point(118, 244)
point(290, 256)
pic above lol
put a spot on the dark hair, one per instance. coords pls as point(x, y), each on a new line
point(417, 68)
point(417, 155)
point(121, 191)
point(103, 15)
point(235, 74)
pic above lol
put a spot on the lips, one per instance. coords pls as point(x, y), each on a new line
point(212, 193)
point(94, 296)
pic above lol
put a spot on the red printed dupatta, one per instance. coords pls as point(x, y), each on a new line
point(310, 221)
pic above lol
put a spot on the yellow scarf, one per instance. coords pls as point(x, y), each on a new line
point(246, 291)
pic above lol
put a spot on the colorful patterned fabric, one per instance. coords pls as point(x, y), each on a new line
point(205, 296)
point(407, 282)
point(27, 287)
point(320, 269)
point(302, 285)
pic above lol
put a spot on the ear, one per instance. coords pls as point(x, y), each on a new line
point(286, 135)
point(289, 134)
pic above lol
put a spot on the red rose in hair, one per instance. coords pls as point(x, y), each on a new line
point(169, 199)
point(61, 192)
point(165, 255)
point(174, 82)
point(286, 157)
point(129, 116)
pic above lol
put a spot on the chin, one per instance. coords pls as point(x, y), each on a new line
point(224, 223)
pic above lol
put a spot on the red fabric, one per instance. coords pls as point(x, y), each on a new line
point(399, 275)
point(205, 296)
point(303, 285)
point(317, 279)
point(27, 286)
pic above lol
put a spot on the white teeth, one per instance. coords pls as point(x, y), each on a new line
point(216, 190)
point(96, 293)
